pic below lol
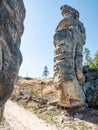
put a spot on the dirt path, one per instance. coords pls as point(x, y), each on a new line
point(21, 119)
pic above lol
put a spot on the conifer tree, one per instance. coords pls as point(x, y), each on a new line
point(45, 72)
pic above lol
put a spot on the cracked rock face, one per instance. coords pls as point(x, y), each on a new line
point(69, 39)
point(12, 14)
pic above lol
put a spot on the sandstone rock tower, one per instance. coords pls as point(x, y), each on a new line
point(12, 14)
point(69, 39)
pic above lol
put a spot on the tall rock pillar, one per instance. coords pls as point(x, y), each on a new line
point(12, 14)
point(69, 39)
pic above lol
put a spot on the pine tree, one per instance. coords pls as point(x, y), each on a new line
point(45, 72)
point(91, 62)
point(87, 58)
point(95, 61)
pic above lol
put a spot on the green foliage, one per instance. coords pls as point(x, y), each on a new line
point(3, 119)
point(73, 127)
point(91, 62)
point(45, 72)
point(95, 61)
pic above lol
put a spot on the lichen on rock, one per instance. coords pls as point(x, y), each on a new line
point(69, 39)
point(12, 14)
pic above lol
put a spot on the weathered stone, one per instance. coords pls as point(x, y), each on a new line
point(77, 115)
point(12, 15)
point(69, 39)
point(91, 86)
point(53, 102)
point(51, 108)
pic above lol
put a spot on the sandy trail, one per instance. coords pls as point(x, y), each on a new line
point(21, 119)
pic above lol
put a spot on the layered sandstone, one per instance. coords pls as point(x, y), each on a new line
point(69, 39)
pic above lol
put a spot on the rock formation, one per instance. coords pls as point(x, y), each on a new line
point(12, 14)
point(91, 86)
point(69, 39)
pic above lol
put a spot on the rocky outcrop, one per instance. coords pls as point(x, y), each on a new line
point(12, 13)
point(69, 39)
point(91, 86)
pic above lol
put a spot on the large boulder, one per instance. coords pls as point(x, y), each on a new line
point(12, 14)
point(69, 39)
point(91, 86)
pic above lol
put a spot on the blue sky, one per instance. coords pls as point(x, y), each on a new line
point(42, 17)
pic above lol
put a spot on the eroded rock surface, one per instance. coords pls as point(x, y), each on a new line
point(12, 14)
point(69, 39)
point(91, 86)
